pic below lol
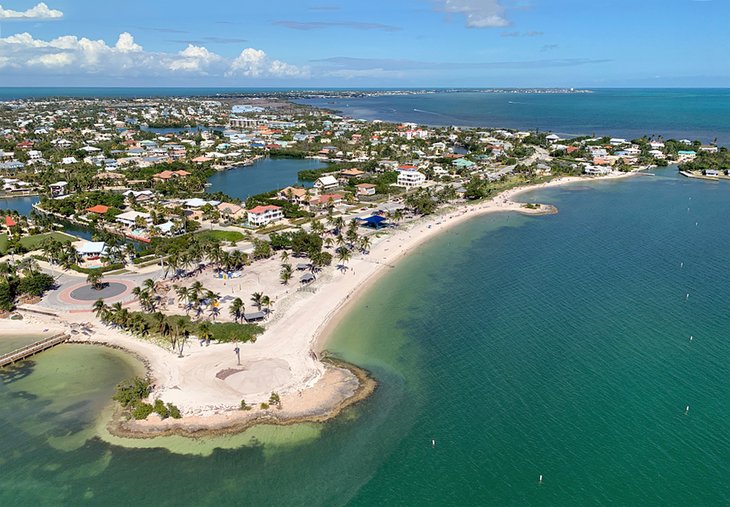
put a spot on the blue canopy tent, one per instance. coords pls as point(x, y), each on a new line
point(375, 221)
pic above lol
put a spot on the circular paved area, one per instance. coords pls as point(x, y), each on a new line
point(89, 293)
point(81, 294)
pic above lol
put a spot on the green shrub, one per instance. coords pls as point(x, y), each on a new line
point(244, 406)
point(264, 406)
point(174, 411)
point(161, 410)
point(132, 391)
point(142, 410)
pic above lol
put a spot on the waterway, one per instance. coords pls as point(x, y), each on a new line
point(264, 175)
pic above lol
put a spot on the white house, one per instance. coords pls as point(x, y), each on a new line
point(58, 189)
point(263, 215)
point(130, 218)
point(411, 178)
point(326, 183)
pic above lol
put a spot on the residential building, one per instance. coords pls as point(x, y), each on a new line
point(264, 215)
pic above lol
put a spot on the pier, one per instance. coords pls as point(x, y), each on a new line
point(32, 349)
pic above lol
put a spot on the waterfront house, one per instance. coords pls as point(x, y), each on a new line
point(264, 215)
point(168, 175)
point(129, 219)
point(91, 250)
point(352, 173)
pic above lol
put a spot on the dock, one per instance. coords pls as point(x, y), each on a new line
point(32, 349)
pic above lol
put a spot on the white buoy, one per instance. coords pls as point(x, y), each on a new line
point(433, 443)
point(687, 297)
point(696, 224)
point(540, 480)
point(691, 338)
point(686, 410)
point(681, 264)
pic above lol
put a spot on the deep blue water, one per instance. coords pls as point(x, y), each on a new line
point(673, 113)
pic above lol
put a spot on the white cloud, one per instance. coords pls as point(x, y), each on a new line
point(40, 11)
point(479, 13)
point(256, 63)
point(72, 55)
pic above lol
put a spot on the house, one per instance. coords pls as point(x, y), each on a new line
point(552, 138)
point(463, 163)
point(231, 210)
point(411, 178)
point(326, 183)
point(295, 195)
point(10, 223)
point(709, 149)
point(352, 173)
point(99, 209)
point(325, 200)
point(129, 218)
point(365, 189)
point(168, 175)
point(35, 154)
point(69, 160)
point(58, 189)
point(593, 170)
point(712, 172)
point(91, 250)
point(264, 215)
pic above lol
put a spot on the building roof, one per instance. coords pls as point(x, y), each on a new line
point(91, 248)
point(99, 208)
point(327, 180)
point(9, 222)
point(258, 210)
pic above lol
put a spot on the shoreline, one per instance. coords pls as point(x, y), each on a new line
point(288, 358)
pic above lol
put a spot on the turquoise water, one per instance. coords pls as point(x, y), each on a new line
point(264, 175)
point(555, 345)
point(679, 113)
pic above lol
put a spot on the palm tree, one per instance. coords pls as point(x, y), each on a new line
point(343, 255)
point(365, 244)
point(204, 332)
point(266, 301)
point(183, 294)
point(286, 273)
point(284, 255)
point(100, 308)
point(94, 279)
point(149, 285)
point(257, 299)
point(237, 309)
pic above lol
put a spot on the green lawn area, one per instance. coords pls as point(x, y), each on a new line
point(227, 236)
point(34, 242)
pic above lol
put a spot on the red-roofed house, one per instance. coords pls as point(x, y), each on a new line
point(99, 209)
point(264, 215)
point(10, 222)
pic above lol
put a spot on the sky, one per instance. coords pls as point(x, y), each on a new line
point(376, 43)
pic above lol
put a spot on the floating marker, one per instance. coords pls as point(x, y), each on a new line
point(540, 480)
point(687, 297)
point(681, 264)
point(691, 338)
point(433, 443)
point(686, 410)
point(696, 224)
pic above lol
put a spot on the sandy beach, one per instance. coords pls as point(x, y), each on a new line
point(208, 384)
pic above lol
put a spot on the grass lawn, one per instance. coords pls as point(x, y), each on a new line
point(227, 236)
point(34, 242)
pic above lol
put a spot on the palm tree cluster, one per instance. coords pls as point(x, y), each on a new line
point(189, 259)
point(174, 329)
point(148, 298)
point(196, 298)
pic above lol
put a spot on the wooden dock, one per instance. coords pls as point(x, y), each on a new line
point(32, 349)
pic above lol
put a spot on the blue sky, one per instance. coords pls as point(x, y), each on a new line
point(378, 43)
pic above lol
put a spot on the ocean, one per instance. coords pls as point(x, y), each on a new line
point(630, 113)
point(523, 346)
